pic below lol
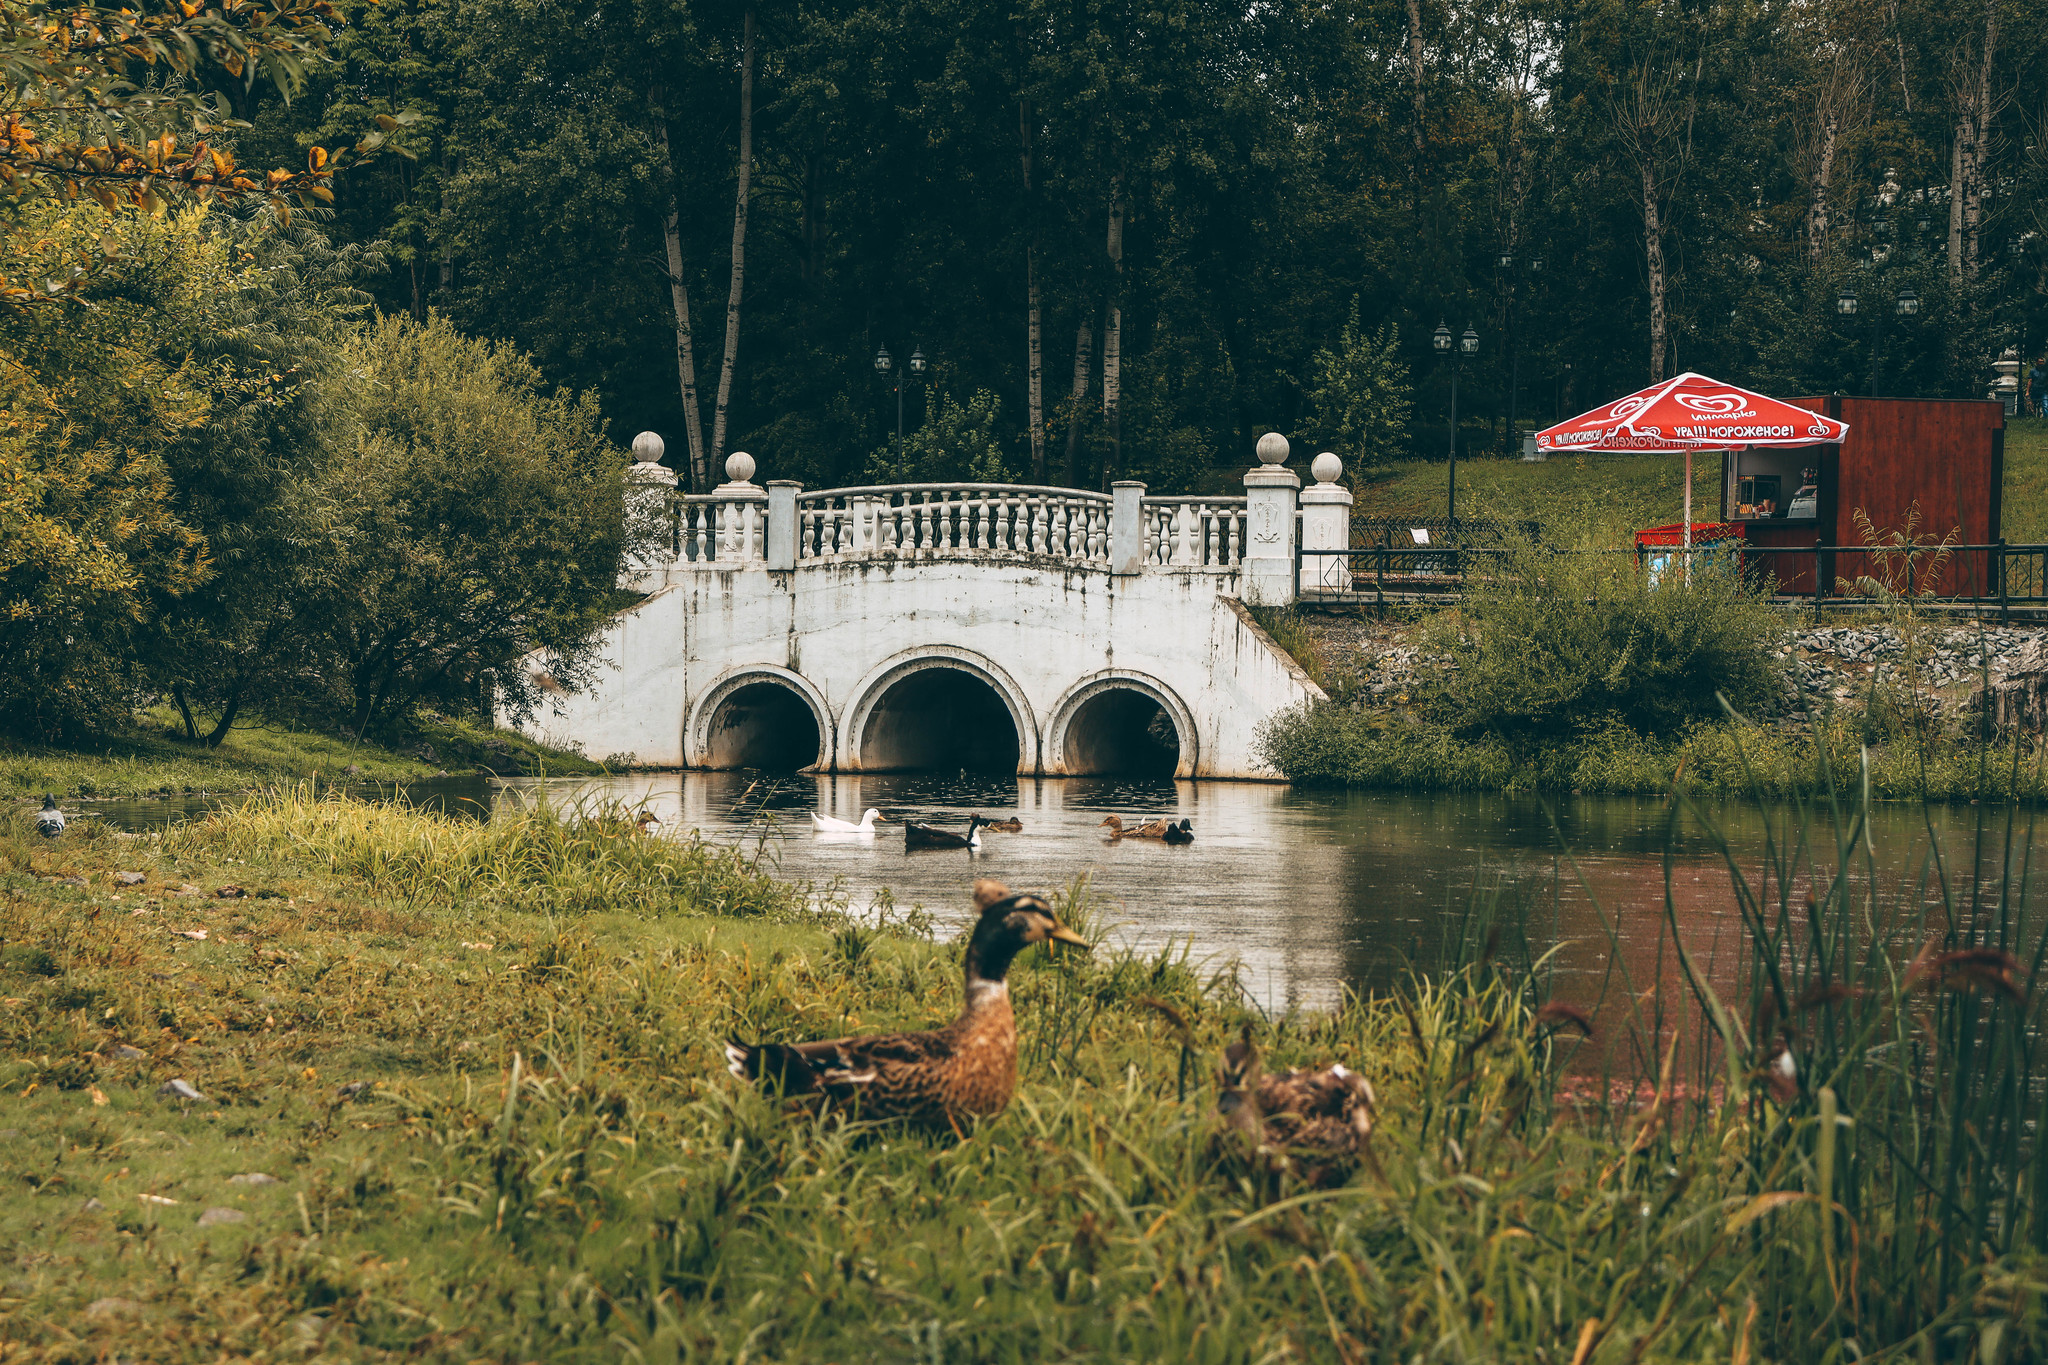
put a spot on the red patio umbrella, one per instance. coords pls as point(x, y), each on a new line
point(1691, 412)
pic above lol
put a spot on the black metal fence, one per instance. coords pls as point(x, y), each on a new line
point(2000, 575)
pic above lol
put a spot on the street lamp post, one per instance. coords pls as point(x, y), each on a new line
point(885, 364)
point(1468, 344)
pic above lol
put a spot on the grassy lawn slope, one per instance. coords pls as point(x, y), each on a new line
point(155, 758)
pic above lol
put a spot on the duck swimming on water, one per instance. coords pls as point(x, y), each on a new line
point(825, 824)
point(917, 836)
point(1151, 829)
point(941, 1079)
point(1010, 826)
point(1182, 833)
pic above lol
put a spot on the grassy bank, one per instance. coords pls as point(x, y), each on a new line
point(1392, 751)
point(154, 758)
point(493, 1124)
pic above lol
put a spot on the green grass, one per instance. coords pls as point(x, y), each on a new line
point(154, 758)
point(2025, 514)
point(500, 1127)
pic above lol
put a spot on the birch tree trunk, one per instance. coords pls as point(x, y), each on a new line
point(1415, 71)
point(1034, 364)
point(1113, 337)
point(1818, 180)
point(1077, 406)
point(1653, 256)
point(739, 243)
point(1973, 98)
point(679, 302)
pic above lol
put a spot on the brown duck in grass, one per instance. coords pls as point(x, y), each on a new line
point(1315, 1123)
point(944, 1078)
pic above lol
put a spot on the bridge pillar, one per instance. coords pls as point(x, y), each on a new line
point(1269, 494)
point(781, 548)
point(1326, 525)
point(1126, 529)
point(649, 484)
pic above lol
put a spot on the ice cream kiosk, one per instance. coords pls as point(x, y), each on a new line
point(1798, 504)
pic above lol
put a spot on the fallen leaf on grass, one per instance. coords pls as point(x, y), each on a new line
point(99, 1096)
point(215, 1217)
point(194, 934)
point(254, 1178)
point(155, 1199)
point(181, 1088)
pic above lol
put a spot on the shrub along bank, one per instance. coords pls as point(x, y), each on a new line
point(454, 1116)
point(1578, 672)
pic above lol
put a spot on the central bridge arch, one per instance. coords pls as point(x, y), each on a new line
point(939, 707)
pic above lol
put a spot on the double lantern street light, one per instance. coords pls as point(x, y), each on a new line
point(1468, 344)
point(1905, 304)
point(885, 365)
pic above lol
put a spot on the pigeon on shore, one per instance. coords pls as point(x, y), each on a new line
point(49, 820)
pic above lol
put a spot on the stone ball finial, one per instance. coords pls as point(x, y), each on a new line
point(1272, 448)
point(739, 466)
point(648, 447)
point(1326, 467)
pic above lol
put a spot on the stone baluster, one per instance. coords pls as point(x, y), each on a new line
point(1183, 533)
point(981, 506)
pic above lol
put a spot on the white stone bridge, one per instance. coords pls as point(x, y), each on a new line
point(941, 626)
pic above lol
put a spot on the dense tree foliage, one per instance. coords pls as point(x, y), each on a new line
point(1136, 227)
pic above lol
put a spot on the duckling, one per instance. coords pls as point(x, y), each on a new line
point(941, 1079)
point(916, 836)
point(825, 824)
point(49, 820)
point(1154, 829)
point(1182, 833)
point(1316, 1123)
point(1010, 826)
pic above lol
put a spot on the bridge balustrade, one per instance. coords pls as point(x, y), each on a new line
point(1248, 543)
point(1199, 532)
point(895, 519)
point(718, 528)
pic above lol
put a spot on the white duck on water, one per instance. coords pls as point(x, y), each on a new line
point(825, 824)
point(49, 820)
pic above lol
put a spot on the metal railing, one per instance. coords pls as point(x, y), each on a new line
point(2000, 575)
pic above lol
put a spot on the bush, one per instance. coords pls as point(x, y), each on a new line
point(1548, 643)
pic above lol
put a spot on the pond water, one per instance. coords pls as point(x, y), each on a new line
point(1306, 891)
